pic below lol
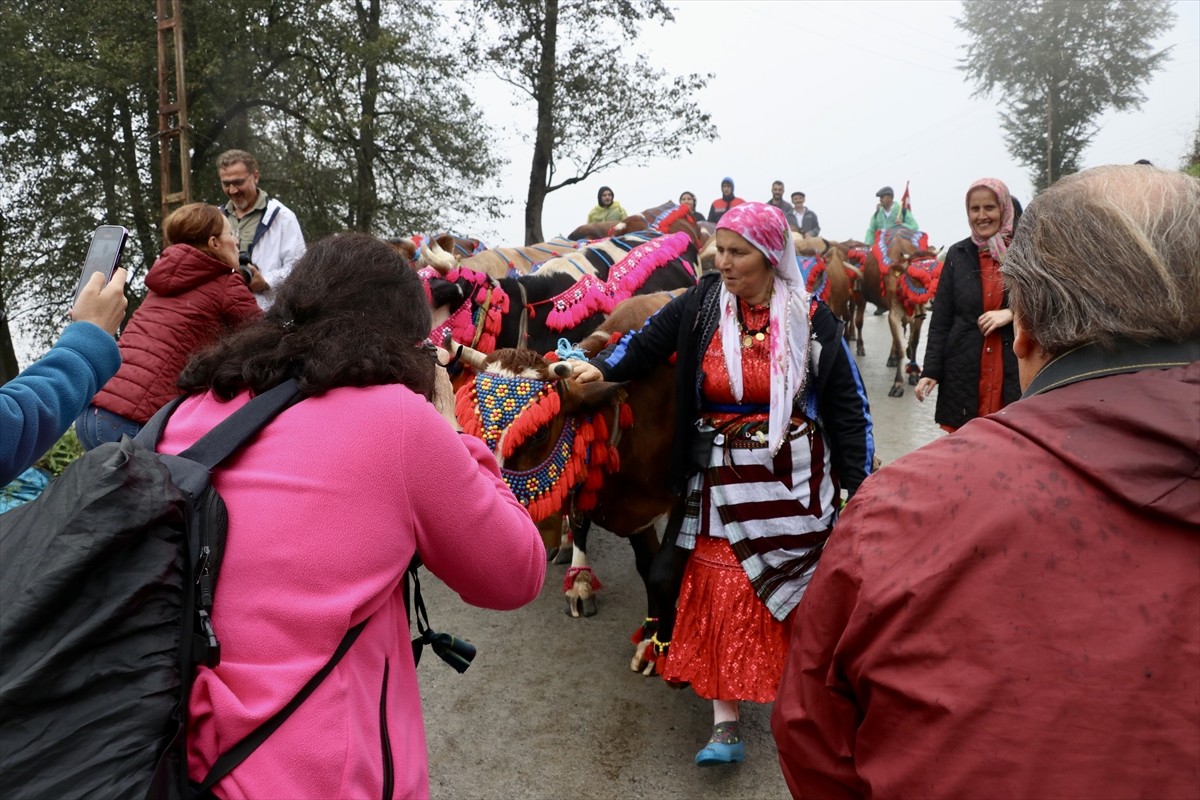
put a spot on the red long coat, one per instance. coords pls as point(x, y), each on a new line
point(193, 299)
point(1012, 611)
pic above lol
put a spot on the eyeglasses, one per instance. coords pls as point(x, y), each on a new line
point(234, 184)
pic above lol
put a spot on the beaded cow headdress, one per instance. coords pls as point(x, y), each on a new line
point(505, 411)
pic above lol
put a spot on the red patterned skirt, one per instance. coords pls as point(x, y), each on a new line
point(725, 643)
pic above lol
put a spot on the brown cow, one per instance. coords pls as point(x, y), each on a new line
point(840, 293)
point(885, 291)
point(602, 230)
point(633, 498)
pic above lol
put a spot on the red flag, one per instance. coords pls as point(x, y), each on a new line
point(904, 201)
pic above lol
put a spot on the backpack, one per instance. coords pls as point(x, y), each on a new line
point(106, 592)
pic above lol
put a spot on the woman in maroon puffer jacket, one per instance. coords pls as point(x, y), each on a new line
point(196, 294)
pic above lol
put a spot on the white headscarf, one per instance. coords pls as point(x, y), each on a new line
point(766, 228)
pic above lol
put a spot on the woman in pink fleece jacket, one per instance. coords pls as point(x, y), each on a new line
point(326, 509)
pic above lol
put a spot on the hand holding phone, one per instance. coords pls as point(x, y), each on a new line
point(102, 303)
point(103, 256)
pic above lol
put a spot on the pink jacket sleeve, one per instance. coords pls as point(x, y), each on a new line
point(471, 532)
point(815, 718)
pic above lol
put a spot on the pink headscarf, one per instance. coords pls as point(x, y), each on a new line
point(766, 228)
point(997, 245)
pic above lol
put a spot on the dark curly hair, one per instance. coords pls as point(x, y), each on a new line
point(351, 313)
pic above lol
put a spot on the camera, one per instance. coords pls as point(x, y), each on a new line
point(458, 653)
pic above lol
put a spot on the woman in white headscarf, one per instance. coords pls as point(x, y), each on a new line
point(772, 424)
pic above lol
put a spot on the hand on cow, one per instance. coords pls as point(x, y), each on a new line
point(583, 372)
point(443, 392)
point(924, 387)
point(990, 321)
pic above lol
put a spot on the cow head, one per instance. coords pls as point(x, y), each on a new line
point(467, 305)
point(550, 433)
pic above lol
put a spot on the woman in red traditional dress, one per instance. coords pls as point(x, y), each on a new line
point(772, 425)
point(970, 351)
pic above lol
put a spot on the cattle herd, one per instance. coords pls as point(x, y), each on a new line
point(573, 453)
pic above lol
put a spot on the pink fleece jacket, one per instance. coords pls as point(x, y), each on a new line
point(326, 507)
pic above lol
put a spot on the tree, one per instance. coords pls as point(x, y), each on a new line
point(1191, 164)
point(356, 108)
point(74, 151)
point(593, 109)
point(358, 111)
point(1060, 64)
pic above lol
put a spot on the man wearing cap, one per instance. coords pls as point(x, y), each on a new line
point(888, 215)
point(723, 203)
point(809, 226)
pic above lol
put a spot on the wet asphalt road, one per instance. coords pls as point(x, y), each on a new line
point(550, 708)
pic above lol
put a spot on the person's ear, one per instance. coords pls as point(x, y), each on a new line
point(1024, 345)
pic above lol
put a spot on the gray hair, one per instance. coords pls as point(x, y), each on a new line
point(1108, 253)
point(231, 157)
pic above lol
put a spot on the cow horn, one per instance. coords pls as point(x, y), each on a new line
point(469, 355)
point(437, 258)
point(561, 370)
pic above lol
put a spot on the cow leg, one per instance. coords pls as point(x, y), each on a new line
point(564, 555)
point(645, 548)
point(552, 530)
point(895, 321)
point(666, 576)
point(580, 584)
point(860, 310)
point(914, 340)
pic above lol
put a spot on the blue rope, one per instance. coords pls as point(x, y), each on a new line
point(566, 350)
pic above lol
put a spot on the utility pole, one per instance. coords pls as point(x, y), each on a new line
point(173, 147)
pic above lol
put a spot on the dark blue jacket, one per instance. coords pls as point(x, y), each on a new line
point(687, 324)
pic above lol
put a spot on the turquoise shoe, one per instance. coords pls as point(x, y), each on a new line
point(716, 753)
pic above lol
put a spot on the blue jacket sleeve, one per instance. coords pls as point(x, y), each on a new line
point(639, 352)
point(38, 406)
point(842, 403)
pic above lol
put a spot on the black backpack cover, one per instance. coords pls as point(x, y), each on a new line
point(106, 586)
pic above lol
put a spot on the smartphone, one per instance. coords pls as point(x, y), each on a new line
point(103, 256)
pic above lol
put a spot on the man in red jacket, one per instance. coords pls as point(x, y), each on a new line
point(1014, 609)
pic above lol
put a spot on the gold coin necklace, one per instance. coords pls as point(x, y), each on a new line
point(752, 335)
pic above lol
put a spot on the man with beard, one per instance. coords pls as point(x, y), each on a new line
point(268, 232)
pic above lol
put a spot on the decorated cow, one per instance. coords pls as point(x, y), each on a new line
point(566, 298)
point(899, 273)
point(498, 262)
point(595, 451)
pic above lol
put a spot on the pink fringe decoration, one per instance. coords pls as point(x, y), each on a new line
point(590, 294)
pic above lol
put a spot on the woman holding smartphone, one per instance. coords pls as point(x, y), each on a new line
point(195, 294)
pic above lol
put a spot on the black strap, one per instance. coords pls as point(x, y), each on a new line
point(458, 653)
point(242, 750)
point(217, 445)
point(151, 432)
